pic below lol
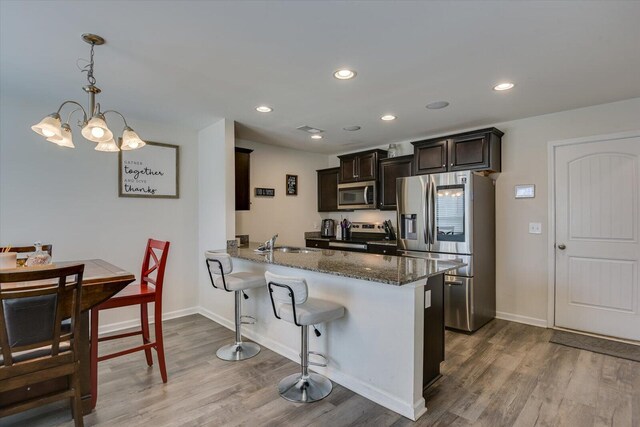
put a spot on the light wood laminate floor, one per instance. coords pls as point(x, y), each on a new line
point(507, 374)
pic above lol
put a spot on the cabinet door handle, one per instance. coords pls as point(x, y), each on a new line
point(444, 165)
point(451, 164)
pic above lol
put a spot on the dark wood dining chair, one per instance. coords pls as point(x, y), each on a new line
point(35, 345)
point(149, 290)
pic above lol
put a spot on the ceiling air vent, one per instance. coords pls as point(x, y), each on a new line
point(310, 130)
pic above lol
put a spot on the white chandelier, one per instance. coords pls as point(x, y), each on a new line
point(94, 126)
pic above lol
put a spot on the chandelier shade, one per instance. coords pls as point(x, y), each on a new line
point(131, 140)
point(49, 127)
point(96, 130)
point(93, 124)
point(66, 139)
point(109, 145)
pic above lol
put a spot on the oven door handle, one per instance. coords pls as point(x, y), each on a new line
point(362, 246)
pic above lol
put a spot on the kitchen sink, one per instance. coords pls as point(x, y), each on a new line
point(294, 249)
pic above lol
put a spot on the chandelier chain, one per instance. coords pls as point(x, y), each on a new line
point(89, 68)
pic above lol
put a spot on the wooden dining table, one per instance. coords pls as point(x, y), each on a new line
point(101, 280)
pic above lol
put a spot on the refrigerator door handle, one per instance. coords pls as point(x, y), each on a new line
point(432, 219)
point(427, 227)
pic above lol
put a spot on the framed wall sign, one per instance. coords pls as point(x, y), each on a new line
point(292, 185)
point(151, 171)
point(265, 192)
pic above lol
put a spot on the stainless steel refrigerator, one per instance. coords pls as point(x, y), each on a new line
point(452, 216)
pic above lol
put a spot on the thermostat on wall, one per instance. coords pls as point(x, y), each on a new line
point(527, 191)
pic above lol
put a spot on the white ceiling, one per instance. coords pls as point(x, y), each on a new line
point(194, 62)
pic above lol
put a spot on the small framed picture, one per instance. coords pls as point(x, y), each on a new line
point(265, 192)
point(292, 185)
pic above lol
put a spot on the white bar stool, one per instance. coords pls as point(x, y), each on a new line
point(290, 302)
point(220, 265)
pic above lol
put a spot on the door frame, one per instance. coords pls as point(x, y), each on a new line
point(551, 215)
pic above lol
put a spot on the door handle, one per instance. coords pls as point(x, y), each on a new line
point(433, 212)
point(453, 283)
point(426, 214)
point(562, 247)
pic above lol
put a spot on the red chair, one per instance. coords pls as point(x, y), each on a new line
point(147, 291)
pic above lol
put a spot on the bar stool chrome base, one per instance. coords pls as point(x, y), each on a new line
point(238, 351)
point(311, 389)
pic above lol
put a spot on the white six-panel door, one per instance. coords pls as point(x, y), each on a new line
point(597, 193)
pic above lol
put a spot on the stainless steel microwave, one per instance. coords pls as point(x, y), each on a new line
point(357, 195)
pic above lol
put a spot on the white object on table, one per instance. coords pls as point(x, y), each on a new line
point(8, 260)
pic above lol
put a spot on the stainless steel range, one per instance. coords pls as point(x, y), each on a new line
point(361, 234)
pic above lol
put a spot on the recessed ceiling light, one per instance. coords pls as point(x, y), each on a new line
point(316, 136)
point(344, 74)
point(352, 128)
point(264, 109)
point(388, 117)
point(437, 105)
point(503, 86)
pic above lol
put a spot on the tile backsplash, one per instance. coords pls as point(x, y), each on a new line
point(363, 216)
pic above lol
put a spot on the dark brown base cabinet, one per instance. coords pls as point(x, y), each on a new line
point(433, 353)
point(321, 244)
point(382, 249)
point(390, 170)
point(475, 150)
point(328, 189)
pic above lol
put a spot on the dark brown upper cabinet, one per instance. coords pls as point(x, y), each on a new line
point(243, 188)
point(390, 170)
point(328, 189)
point(430, 156)
point(475, 150)
point(362, 166)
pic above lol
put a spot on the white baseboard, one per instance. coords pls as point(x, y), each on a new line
point(381, 397)
point(135, 323)
point(541, 323)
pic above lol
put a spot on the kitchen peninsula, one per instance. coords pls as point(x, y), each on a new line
point(390, 342)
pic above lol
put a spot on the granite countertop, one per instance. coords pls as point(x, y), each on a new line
point(387, 269)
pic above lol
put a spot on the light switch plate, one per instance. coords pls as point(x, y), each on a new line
point(535, 228)
point(427, 299)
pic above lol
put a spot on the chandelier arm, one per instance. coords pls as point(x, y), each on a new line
point(80, 107)
point(114, 111)
point(71, 113)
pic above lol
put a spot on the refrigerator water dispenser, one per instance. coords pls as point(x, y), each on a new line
point(409, 226)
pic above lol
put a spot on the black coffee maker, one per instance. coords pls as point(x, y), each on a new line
point(328, 228)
